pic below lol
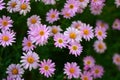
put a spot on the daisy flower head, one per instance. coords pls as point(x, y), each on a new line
point(97, 71)
point(100, 33)
point(86, 76)
point(66, 13)
point(83, 3)
point(117, 2)
point(73, 34)
point(33, 21)
point(11, 78)
point(77, 24)
point(47, 2)
point(60, 41)
point(11, 5)
point(23, 7)
point(102, 24)
point(2, 4)
point(39, 35)
point(116, 59)
point(75, 49)
point(7, 37)
point(116, 24)
point(5, 22)
point(96, 9)
point(99, 46)
point(15, 71)
point(47, 68)
point(87, 32)
point(72, 5)
point(72, 70)
point(30, 60)
point(52, 15)
point(54, 30)
point(27, 44)
point(89, 61)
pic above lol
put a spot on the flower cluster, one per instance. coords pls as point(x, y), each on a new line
point(38, 34)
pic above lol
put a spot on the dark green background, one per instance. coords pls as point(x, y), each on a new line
point(13, 53)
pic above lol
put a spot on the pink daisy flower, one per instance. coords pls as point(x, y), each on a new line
point(72, 70)
point(97, 71)
point(102, 24)
point(87, 32)
point(27, 44)
point(86, 76)
point(83, 3)
point(73, 35)
point(72, 5)
point(2, 5)
point(54, 30)
point(99, 46)
point(116, 59)
point(117, 2)
point(7, 38)
point(67, 14)
point(33, 21)
point(49, 2)
point(11, 78)
point(11, 5)
point(23, 7)
point(39, 35)
point(15, 70)
point(30, 60)
point(60, 41)
point(77, 24)
point(5, 22)
point(52, 16)
point(75, 49)
point(100, 33)
point(116, 24)
point(89, 61)
point(96, 9)
point(47, 67)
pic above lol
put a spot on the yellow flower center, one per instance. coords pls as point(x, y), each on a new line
point(118, 59)
point(116, 24)
point(72, 35)
point(74, 47)
point(88, 62)
point(53, 16)
point(5, 38)
point(95, 0)
point(41, 32)
point(81, 0)
point(30, 59)
point(13, 4)
point(54, 30)
point(86, 31)
point(60, 41)
point(23, 6)
point(33, 20)
point(85, 78)
point(29, 44)
point(100, 33)
point(71, 6)
point(72, 70)
point(100, 46)
point(67, 14)
point(15, 71)
point(4, 23)
point(97, 71)
point(46, 67)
